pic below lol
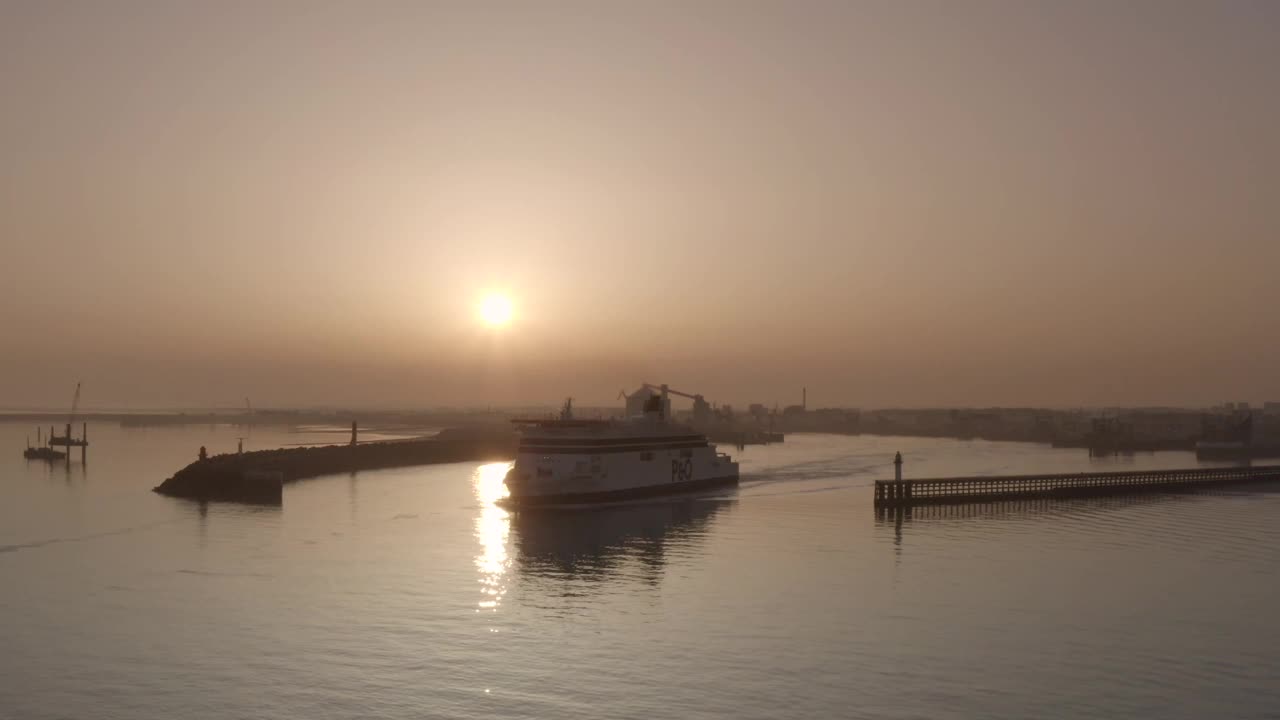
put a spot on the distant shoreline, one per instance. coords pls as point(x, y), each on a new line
point(141, 419)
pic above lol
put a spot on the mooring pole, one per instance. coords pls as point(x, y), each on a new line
point(353, 432)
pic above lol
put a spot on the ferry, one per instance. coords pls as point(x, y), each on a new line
point(568, 460)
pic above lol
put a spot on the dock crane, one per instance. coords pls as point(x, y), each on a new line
point(701, 408)
point(664, 389)
point(67, 440)
point(75, 405)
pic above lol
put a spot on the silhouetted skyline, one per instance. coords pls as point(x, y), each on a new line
point(893, 204)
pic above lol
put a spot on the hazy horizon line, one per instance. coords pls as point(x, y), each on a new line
point(583, 407)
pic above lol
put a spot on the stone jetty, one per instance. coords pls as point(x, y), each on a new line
point(259, 476)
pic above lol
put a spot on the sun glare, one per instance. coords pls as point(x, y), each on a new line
point(496, 310)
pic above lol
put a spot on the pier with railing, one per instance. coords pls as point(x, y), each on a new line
point(935, 491)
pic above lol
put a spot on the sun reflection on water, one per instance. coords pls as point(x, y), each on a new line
point(492, 529)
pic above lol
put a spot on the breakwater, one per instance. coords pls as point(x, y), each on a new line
point(259, 476)
point(933, 491)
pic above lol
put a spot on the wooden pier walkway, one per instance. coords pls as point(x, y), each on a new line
point(937, 491)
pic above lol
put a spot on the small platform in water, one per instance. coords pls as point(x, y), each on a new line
point(43, 453)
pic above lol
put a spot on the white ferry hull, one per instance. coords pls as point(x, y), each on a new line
point(601, 463)
point(620, 495)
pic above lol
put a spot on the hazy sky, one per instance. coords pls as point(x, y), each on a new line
point(898, 203)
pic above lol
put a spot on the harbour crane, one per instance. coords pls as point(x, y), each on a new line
point(701, 408)
point(75, 405)
point(67, 440)
point(667, 390)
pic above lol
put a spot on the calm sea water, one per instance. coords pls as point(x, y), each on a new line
point(407, 594)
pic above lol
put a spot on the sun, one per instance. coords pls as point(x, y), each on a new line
point(496, 310)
